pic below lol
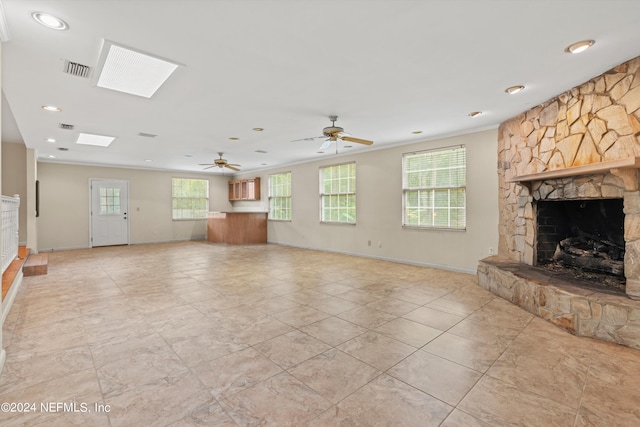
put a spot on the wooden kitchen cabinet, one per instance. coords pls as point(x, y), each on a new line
point(244, 189)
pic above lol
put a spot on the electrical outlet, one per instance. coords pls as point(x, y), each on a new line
point(491, 252)
point(369, 243)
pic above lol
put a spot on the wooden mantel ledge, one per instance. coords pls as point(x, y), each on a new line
point(594, 168)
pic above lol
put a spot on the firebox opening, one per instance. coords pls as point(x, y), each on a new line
point(584, 238)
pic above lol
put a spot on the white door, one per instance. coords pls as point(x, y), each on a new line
point(109, 209)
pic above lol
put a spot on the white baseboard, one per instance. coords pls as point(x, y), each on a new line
point(381, 258)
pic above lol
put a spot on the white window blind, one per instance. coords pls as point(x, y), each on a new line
point(280, 196)
point(190, 198)
point(338, 193)
point(434, 188)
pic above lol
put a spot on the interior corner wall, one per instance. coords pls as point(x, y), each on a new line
point(14, 181)
point(64, 205)
point(379, 208)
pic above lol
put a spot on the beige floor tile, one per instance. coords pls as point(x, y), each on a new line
point(335, 417)
point(333, 331)
point(393, 306)
point(158, 404)
point(387, 401)
point(230, 374)
point(412, 333)
point(300, 316)
point(377, 350)
point(498, 403)
point(367, 317)
point(334, 374)
point(281, 400)
point(167, 330)
point(290, 349)
point(434, 318)
point(458, 418)
point(359, 296)
point(333, 305)
point(472, 354)
point(441, 378)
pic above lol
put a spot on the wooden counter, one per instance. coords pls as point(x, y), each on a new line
point(237, 228)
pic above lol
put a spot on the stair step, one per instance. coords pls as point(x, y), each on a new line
point(36, 265)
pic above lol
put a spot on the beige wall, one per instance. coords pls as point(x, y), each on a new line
point(14, 180)
point(379, 208)
point(64, 205)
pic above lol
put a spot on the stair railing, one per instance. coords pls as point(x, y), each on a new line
point(9, 241)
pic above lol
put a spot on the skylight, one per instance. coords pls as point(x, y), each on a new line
point(130, 71)
point(97, 140)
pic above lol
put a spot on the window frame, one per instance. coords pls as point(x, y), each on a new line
point(287, 198)
point(190, 197)
point(338, 194)
point(433, 190)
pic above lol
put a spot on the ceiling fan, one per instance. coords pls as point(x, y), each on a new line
point(221, 163)
point(333, 133)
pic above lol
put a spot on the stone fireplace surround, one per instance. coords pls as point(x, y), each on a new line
point(580, 145)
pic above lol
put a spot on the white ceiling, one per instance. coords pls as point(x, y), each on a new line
point(385, 67)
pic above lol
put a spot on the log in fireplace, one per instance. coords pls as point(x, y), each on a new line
point(582, 238)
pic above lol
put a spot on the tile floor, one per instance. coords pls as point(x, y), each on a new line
point(196, 334)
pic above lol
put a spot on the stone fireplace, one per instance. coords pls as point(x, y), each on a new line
point(568, 169)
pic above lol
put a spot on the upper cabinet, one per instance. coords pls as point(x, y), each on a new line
point(244, 189)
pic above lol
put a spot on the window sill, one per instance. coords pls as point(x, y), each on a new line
point(337, 223)
point(420, 228)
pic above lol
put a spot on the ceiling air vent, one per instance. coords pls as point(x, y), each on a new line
point(62, 149)
point(261, 151)
point(146, 135)
point(65, 126)
point(76, 69)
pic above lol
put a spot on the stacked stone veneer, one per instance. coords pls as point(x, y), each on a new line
point(596, 122)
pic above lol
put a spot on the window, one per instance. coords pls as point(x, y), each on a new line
point(109, 200)
point(434, 188)
point(280, 196)
point(190, 198)
point(338, 193)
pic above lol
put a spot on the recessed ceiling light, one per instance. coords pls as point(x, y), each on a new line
point(260, 151)
point(347, 146)
point(320, 152)
point(148, 160)
point(92, 139)
point(51, 108)
point(258, 129)
point(416, 132)
point(62, 149)
point(50, 140)
point(514, 89)
point(188, 156)
point(50, 21)
point(475, 113)
point(263, 164)
point(580, 46)
point(233, 138)
point(51, 156)
point(126, 70)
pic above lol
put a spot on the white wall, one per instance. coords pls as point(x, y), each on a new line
point(379, 208)
point(14, 181)
point(64, 205)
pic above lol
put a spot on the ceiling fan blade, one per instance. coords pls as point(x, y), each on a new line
point(235, 165)
point(206, 164)
point(233, 168)
point(326, 144)
point(212, 166)
point(308, 139)
point(358, 140)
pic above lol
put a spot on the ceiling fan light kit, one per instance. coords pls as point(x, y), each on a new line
point(221, 163)
point(333, 133)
